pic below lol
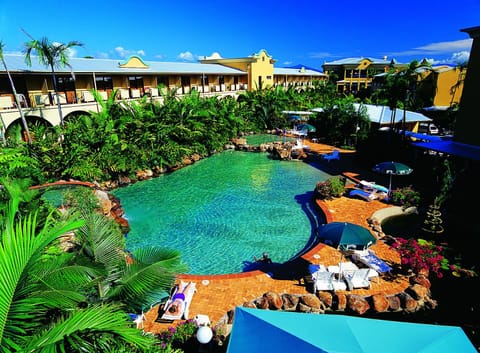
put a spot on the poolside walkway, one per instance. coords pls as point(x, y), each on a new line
point(218, 294)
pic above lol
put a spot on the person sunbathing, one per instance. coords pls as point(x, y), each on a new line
point(178, 300)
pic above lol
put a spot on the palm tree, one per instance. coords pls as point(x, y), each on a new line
point(51, 54)
point(44, 303)
point(20, 110)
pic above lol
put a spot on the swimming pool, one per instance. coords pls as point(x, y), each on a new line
point(223, 210)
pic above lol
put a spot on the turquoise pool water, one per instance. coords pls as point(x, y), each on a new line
point(258, 139)
point(223, 210)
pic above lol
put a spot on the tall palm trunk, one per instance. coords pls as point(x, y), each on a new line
point(20, 110)
point(55, 88)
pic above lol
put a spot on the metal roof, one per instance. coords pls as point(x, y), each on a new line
point(296, 72)
point(16, 63)
point(382, 114)
point(354, 61)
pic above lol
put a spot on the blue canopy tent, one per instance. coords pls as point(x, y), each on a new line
point(263, 331)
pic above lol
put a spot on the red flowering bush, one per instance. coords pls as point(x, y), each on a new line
point(421, 255)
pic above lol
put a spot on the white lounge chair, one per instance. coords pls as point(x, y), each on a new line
point(358, 278)
point(326, 281)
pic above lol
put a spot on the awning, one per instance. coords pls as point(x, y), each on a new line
point(296, 112)
point(452, 148)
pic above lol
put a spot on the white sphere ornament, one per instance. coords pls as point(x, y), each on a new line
point(204, 334)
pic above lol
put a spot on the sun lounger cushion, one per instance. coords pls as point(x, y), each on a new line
point(371, 260)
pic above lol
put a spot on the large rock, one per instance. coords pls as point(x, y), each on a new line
point(274, 300)
point(418, 291)
point(380, 303)
point(422, 280)
point(104, 201)
point(394, 303)
point(312, 301)
point(409, 304)
point(326, 298)
point(249, 305)
point(290, 302)
point(341, 302)
point(262, 303)
point(357, 304)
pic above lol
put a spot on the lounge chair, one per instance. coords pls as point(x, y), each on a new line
point(335, 154)
point(183, 313)
point(326, 281)
point(368, 258)
point(372, 185)
point(368, 195)
point(358, 278)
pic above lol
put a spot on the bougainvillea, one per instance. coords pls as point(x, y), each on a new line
point(421, 255)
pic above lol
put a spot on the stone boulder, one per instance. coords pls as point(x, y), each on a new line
point(357, 304)
point(326, 298)
point(249, 305)
point(262, 303)
point(422, 280)
point(394, 303)
point(341, 302)
point(380, 303)
point(290, 302)
point(408, 303)
point(311, 301)
point(274, 300)
point(418, 291)
point(104, 201)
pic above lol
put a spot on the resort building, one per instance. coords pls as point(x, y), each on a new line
point(356, 74)
point(132, 79)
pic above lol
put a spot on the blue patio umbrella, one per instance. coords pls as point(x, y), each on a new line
point(306, 127)
point(295, 118)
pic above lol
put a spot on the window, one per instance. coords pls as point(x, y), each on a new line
point(65, 83)
point(104, 83)
point(204, 80)
point(163, 80)
point(135, 82)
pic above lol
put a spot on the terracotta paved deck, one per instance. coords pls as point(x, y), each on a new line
point(218, 294)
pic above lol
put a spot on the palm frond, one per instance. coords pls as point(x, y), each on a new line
point(88, 328)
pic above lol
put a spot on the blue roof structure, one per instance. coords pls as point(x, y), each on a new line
point(300, 66)
point(452, 148)
point(261, 331)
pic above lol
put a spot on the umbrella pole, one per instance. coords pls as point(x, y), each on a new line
point(390, 185)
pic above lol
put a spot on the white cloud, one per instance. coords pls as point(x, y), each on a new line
point(321, 55)
point(447, 47)
point(461, 57)
point(124, 53)
point(215, 55)
point(439, 48)
point(187, 56)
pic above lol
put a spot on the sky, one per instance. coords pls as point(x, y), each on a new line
point(300, 32)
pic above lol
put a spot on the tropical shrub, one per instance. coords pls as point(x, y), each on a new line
point(177, 336)
point(406, 197)
point(330, 188)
